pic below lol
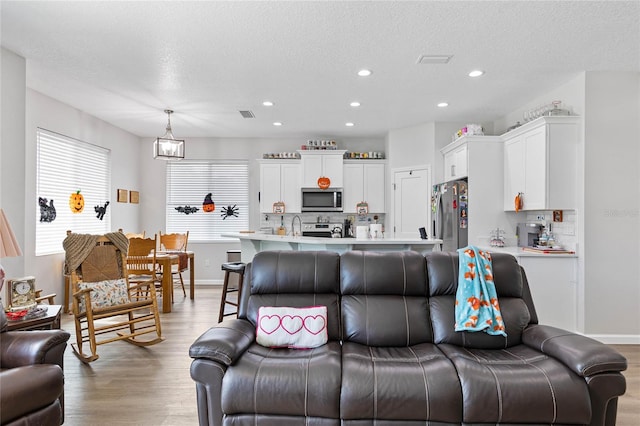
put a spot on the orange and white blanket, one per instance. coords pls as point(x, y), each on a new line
point(477, 307)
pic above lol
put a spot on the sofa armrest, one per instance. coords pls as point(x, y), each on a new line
point(20, 348)
point(583, 355)
point(225, 342)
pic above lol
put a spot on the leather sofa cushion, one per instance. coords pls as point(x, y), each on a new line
point(399, 383)
point(498, 387)
point(288, 382)
point(442, 270)
point(384, 298)
point(296, 279)
point(28, 389)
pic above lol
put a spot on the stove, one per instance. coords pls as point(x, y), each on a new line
point(322, 229)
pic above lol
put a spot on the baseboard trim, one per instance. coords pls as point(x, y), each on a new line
point(616, 339)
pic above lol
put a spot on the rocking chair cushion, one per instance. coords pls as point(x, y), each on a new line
point(105, 293)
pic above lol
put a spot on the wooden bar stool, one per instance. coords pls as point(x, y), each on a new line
point(231, 268)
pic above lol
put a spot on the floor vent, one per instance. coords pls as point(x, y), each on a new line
point(247, 114)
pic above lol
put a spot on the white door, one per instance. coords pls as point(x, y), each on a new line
point(411, 201)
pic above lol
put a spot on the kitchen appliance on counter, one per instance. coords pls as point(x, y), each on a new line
point(450, 214)
point(322, 230)
point(321, 200)
point(528, 234)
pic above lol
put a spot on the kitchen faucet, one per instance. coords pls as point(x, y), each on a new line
point(293, 233)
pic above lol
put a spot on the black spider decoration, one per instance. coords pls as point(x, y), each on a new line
point(229, 211)
point(187, 209)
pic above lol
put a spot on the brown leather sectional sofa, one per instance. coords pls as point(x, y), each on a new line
point(392, 355)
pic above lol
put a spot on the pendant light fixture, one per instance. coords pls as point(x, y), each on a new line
point(167, 147)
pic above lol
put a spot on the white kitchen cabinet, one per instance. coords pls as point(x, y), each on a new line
point(554, 289)
point(364, 180)
point(316, 164)
point(483, 158)
point(280, 181)
point(455, 163)
point(540, 164)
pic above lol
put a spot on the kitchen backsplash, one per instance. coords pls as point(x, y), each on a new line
point(270, 222)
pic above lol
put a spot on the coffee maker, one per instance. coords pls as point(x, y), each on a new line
point(528, 234)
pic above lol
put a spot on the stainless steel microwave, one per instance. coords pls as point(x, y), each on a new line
point(321, 200)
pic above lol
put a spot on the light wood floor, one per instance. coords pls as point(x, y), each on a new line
point(130, 385)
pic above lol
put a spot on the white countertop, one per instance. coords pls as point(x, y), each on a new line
point(329, 241)
point(519, 252)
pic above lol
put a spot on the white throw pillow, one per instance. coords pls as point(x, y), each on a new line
point(298, 328)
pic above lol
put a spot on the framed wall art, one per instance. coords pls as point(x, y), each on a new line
point(123, 196)
point(134, 197)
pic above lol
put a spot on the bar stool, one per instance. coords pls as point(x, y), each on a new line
point(231, 268)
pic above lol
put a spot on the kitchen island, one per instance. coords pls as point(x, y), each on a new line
point(252, 243)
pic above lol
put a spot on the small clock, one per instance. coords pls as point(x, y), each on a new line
point(22, 294)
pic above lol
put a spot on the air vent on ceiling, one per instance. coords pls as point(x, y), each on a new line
point(247, 114)
point(434, 59)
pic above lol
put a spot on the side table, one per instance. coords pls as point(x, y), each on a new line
point(48, 322)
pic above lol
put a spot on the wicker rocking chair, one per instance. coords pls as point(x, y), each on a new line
point(106, 307)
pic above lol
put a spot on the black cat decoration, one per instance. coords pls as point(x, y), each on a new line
point(101, 210)
point(187, 209)
point(47, 212)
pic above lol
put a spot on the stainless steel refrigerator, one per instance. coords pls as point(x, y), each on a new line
point(450, 214)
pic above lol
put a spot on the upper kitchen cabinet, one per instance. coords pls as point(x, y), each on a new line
point(316, 164)
point(280, 181)
point(364, 180)
point(455, 160)
point(540, 164)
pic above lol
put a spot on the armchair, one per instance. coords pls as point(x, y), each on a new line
point(31, 373)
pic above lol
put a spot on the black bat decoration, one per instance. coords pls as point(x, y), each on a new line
point(187, 209)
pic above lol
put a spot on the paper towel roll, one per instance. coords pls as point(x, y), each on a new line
point(362, 232)
point(375, 230)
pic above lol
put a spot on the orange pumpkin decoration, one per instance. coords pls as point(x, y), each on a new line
point(76, 202)
point(208, 205)
point(324, 182)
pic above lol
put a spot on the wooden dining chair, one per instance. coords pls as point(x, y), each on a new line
point(141, 261)
point(106, 306)
point(176, 243)
point(130, 235)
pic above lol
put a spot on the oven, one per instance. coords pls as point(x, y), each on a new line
point(321, 230)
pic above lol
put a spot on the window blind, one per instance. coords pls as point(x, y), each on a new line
point(65, 166)
point(189, 181)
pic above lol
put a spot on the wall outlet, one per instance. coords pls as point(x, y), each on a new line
point(207, 263)
point(540, 217)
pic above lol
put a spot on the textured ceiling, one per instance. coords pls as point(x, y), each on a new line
point(125, 62)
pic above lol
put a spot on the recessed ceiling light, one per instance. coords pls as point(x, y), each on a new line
point(355, 104)
point(443, 105)
point(476, 73)
point(267, 103)
point(349, 124)
point(277, 123)
point(364, 73)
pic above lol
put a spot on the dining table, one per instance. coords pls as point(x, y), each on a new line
point(165, 260)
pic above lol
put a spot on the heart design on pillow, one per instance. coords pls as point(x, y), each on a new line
point(269, 323)
point(314, 324)
point(291, 324)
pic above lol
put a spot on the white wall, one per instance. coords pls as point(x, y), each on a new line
point(12, 152)
point(612, 204)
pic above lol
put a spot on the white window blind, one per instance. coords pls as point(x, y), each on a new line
point(189, 181)
point(64, 166)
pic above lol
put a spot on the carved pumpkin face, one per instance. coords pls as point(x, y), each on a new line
point(324, 182)
point(208, 207)
point(76, 202)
